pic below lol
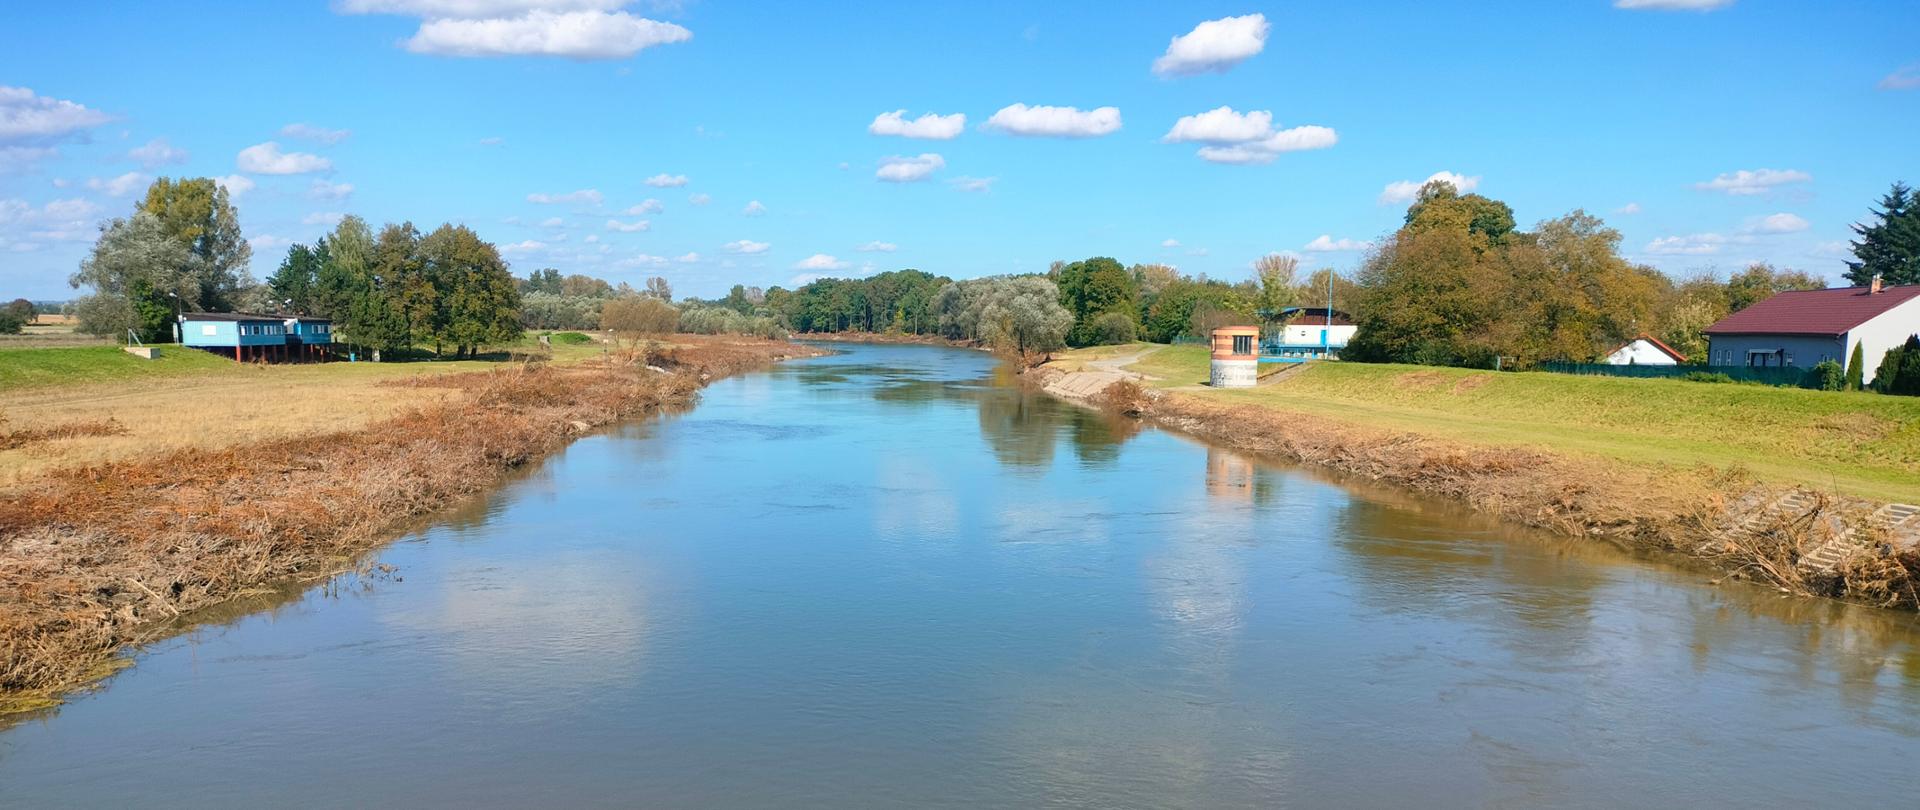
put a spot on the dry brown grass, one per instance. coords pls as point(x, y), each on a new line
point(99, 557)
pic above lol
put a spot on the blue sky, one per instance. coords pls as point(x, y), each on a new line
point(1711, 137)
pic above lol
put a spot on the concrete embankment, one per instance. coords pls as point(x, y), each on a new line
point(98, 558)
point(1798, 539)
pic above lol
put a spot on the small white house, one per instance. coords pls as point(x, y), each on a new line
point(1312, 332)
point(1645, 350)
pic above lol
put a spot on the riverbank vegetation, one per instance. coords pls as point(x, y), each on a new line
point(105, 555)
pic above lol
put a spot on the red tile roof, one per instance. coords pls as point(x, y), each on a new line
point(1657, 344)
point(1814, 312)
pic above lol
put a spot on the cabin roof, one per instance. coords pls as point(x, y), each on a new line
point(1668, 350)
point(248, 317)
point(1833, 311)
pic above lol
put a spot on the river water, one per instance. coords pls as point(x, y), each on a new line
point(892, 578)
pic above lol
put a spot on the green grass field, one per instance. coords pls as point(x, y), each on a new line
point(1857, 443)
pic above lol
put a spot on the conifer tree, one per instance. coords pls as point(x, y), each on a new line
point(1890, 247)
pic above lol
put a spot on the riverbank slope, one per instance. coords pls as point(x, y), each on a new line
point(1785, 486)
point(100, 556)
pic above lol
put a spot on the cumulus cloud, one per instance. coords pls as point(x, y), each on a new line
point(745, 246)
point(1747, 183)
point(327, 218)
point(309, 132)
point(235, 184)
point(1671, 5)
point(1055, 122)
point(553, 222)
point(931, 126)
point(1406, 191)
point(324, 190)
point(973, 185)
point(1906, 78)
point(687, 258)
point(642, 260)
point(267, 241)
point(667, 180)
point(1629, 209)
point(585, 196)
point(1245, 138)
point(1698, 244)
point(1325, 243)
point(1169, 243)
point(119, 186)
point(903, 169)
point(470, 9)
point(524, 246)
point(648, 206)
point(266, 158)
point(628, 227)
point(156, 153)
point(22, 158)
point(1297, 139)
point(878, 247)
point(571, 34)
point(820, 261)
point(57, 221)
point(1778, 223)
point(1214, 45)
point(30, 119)
point(700, 198)
point(754, 209)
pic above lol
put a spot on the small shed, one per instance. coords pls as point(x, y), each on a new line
point(1236, 357)
point(1645, 350)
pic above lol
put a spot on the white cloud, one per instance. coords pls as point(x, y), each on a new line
point(1214, 45)
point(267, 241)
point(22, 158)
point(309, 132)
point(492, 141)
point(119, 186)
point(701, 198)
point(327, 218)
point(932, 126)
point(68, 220)
point(1698, 244)
point(754, 209)
point(156, 153)
point(553, 222)
point(903, 169)
point(649, 206)
point(1629, 209)
point(266, 158)
point(29, 119)
point(525, 246)
point(1055, 122)
point(878, 247)
point(1746, 183)
point(1169, 243)
point(585, 196)
point(973, 185)
point(745, 246)
point(628, 227)
point(1906, 78)
point(687, 258)
point(235, 184)
point(643, 260)
point(1406, 191)
point(820, 261)
point(667, 180)
point(1671, 5)
point(1778, 223)
point(1245, 138)
point(1325, 243)
point(571, 34)
point(324, 190)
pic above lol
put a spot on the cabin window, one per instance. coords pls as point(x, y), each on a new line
point(209, 329)
point(1243, 344)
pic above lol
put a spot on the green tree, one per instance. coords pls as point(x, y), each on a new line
point(295, 285)
point(140, 276)
point(470, 294)
point(1899, 371)
point(1890, 247)
point(198, 212)
point(1274, 273)
point(1856, 367)
point(545, 280)
point(1440, 205)
point(1091, 288)
point(1761, 281)
point(635, 317)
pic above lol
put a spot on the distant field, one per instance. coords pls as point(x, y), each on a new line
point(191, 398)
point(1858, 443)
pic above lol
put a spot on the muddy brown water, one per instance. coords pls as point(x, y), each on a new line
point(891, 578)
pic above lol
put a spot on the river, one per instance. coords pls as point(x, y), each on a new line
point(893, 578)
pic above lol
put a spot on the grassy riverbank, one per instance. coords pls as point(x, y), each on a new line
point(96, 555)
point(1852, 443)
point(1656, 465)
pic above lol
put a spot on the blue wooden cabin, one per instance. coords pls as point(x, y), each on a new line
point(272, 338)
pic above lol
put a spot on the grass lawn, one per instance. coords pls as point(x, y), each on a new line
point(80, 365)
point(1857, 443)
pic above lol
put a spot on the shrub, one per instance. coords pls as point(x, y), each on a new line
point(1112, 327)
point(1900, 370)
point(1706, 377)
point(570, 338)
point(1856, 367)
point(1826, 375)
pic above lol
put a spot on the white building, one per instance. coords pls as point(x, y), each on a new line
point(1644, 350)
point(1312, 332)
